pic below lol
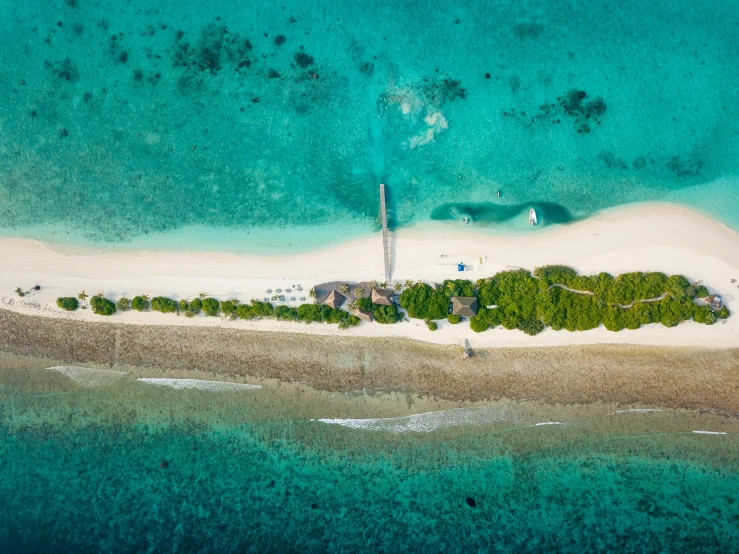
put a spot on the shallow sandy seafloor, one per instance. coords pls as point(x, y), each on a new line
point(690, 378)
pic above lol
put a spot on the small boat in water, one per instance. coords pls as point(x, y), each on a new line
point(532, 217)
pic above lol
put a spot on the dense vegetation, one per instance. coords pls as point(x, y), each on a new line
point(140, 303)
point(101, 305)
point(68, 303)
point(556, 296)
point(383, 314)
point(164, 305)
point(424, 302)
point(553, 296)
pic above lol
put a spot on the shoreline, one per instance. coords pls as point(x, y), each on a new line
point(649, 237)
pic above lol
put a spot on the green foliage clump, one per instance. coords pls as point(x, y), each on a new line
point(454, 319)
point(701, 292)
point(102, 306)
point(164, 305)
point(515, 295)
point(723, 313)
point(140, 303)
point(228, 307)
point(431, 325)
point(255, 310)
point(211, 307)
point(383, 314)
point(423, 302)
point(68, 303)
point(123, 304)
point(480, 322)
point(704, 314)
point(285, 313)
point(196, 306)
point(315, 313)
point(184, 306)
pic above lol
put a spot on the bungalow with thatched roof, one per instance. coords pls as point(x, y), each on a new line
point(464, 305)
point(384, 297)
point(364, 315)
point(334, 299)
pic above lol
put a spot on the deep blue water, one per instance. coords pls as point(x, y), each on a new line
point(186, 122)
point(136, 468)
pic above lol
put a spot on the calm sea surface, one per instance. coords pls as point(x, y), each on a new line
point(132, 467)
point(264, 126)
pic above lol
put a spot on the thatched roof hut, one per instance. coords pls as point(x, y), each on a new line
point(334, 299)
point(464, 305)
point(364, 315)
point(384, 297)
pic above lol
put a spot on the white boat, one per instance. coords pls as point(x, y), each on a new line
point(532, 217)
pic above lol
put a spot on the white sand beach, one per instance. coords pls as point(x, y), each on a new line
point(644, 237)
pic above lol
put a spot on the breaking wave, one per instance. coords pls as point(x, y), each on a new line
point(89, 377)
point(214, 386)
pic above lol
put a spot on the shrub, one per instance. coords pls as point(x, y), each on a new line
point(189, 313)
point(723, 313)
point(453, 319)
point(164, 305)
point(211, 307)
point(184, 306)
point(123, 304)
point(102, 306)
point(228, 307)
point(383, 314)
point(431, 325)
point(701, 292)
point(255, 310)
point(479, 324)
point(67, 303)
point(704, 314)
point(196, 305)
point(285, 313)
point(140, 303)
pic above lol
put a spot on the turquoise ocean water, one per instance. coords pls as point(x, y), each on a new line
point(138, 468)
point(260, 126)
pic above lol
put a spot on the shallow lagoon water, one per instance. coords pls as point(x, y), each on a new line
point(129, 466)
point(127, 123)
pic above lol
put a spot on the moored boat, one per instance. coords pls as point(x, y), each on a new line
point(532, 217)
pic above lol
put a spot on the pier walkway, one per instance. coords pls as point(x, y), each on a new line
point(385, 243)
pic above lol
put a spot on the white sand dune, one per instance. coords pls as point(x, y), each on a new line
point(645, 237)
point(90, 377)
point(214, 386)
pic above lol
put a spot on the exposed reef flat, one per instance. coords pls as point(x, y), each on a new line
point(674, 377)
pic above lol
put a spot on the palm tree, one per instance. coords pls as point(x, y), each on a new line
point(312, 293)
point(398, 286)
point(202, 295)
point(145, 297)
point(343, 288)
point(408, 283)
point(351, 306)
point(101, 294)
point(82, 296)
point(359, 292)
point(372, 284)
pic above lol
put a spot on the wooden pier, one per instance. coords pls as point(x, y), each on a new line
point(385, 243)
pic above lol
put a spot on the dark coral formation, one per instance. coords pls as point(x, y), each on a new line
point(303, 60)
point(611, 161)
point(683, 168)
point(527, 30)
point(64, 69)
point(214, 48)
point(443, 90)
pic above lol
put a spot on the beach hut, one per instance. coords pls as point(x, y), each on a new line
point(334, 299)
point(464, 305)
point(364, 315)
point(384, 297)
